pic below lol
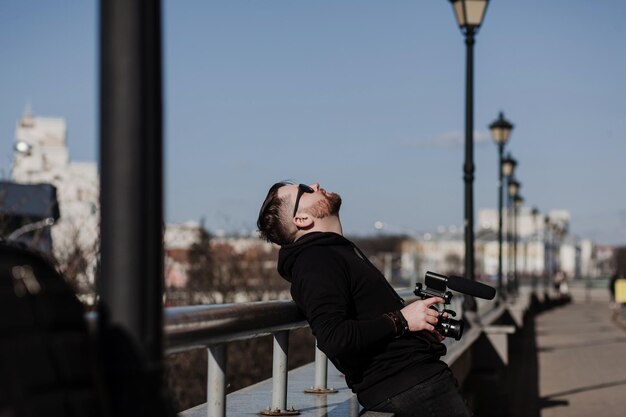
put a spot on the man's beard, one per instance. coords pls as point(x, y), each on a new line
point(329, 206)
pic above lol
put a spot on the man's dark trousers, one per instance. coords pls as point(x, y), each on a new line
point(437, 396)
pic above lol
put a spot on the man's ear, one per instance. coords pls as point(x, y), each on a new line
point(303, 221)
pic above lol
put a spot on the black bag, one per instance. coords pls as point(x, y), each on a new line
point(47, 361)
point(50, 366)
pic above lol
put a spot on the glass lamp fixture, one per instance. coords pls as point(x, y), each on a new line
point(513, 188)
point(535, 212)
point(469, 13)
point(508, 166)
point(500, 129)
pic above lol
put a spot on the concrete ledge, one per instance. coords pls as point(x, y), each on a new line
point(498, 336)
point(499, 329)
point(518, 306)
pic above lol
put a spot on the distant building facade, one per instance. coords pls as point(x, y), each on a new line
point(540, 248)
point(178, 240)
point(242, 268)
point(41, 156)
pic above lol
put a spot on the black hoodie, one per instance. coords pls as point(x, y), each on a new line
point(344, 298)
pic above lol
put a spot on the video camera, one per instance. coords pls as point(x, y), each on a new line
point(435, 285)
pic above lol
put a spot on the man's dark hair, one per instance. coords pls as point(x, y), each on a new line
point(269, 222)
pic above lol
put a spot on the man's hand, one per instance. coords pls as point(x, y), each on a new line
point(420, 316)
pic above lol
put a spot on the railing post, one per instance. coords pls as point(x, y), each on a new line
point(321, 375)
point(279, 371)
point(354, 407)
point(279, 377)
point(321, 369)
point(216, 381)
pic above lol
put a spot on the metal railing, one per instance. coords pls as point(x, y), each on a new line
point(214, 326)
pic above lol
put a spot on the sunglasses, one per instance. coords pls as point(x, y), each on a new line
point(302, 188)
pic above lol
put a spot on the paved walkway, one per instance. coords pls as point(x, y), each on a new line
point(582, 358)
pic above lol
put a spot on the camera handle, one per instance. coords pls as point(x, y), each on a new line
point(445, 310)
point(425, 293)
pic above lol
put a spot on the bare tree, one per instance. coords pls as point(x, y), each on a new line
point(219, 273)
point(454, 264)
point(76, 254)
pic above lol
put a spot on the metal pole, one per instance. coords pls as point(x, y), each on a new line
point(279, 371)
point(524, 269)
point(353, 408)
point(515, 282)
point(501, 293)
point(546, 255)
point(388, 265)
point(536, 245)
point(321, 375)
point(216, 381)
point(321, 369)
point(509, 245)
point(131, 172)
point(469, 304)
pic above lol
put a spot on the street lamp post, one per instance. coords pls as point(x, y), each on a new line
point(535, 216)
point(518, 200)
point(508, 169)
point(558, 232)
point(508, 166)
point(469, 16)
point(546, 249)
point(500, 131)
point(513, 187)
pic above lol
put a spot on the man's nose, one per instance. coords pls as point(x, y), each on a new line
point(315, 186)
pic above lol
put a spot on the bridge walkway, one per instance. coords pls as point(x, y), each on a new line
point(581, 352)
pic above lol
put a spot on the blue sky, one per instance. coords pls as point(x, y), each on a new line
point(364, 96)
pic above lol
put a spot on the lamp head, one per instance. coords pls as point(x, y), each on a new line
point(513, 188)
point(22, 147)
point(535, 212)
point(500, 129)
point(508, 166)
point(469, 13)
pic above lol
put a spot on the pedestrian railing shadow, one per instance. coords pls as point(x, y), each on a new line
point(512, 390)
point(497, 389)
point(606, 342)
point(553, 401)
point(587, 329)
point(550, 403)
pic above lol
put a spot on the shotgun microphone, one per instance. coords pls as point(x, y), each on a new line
point(470, 287)
point(436, 285)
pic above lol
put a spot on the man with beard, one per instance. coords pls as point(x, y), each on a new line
point(388, 351)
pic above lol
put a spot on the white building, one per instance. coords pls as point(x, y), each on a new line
point(41, 156)
point(181, 236)
point(444, 251)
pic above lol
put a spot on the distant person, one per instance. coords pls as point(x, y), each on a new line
point(613, 305)
point(560, 284)
point(388, 351)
